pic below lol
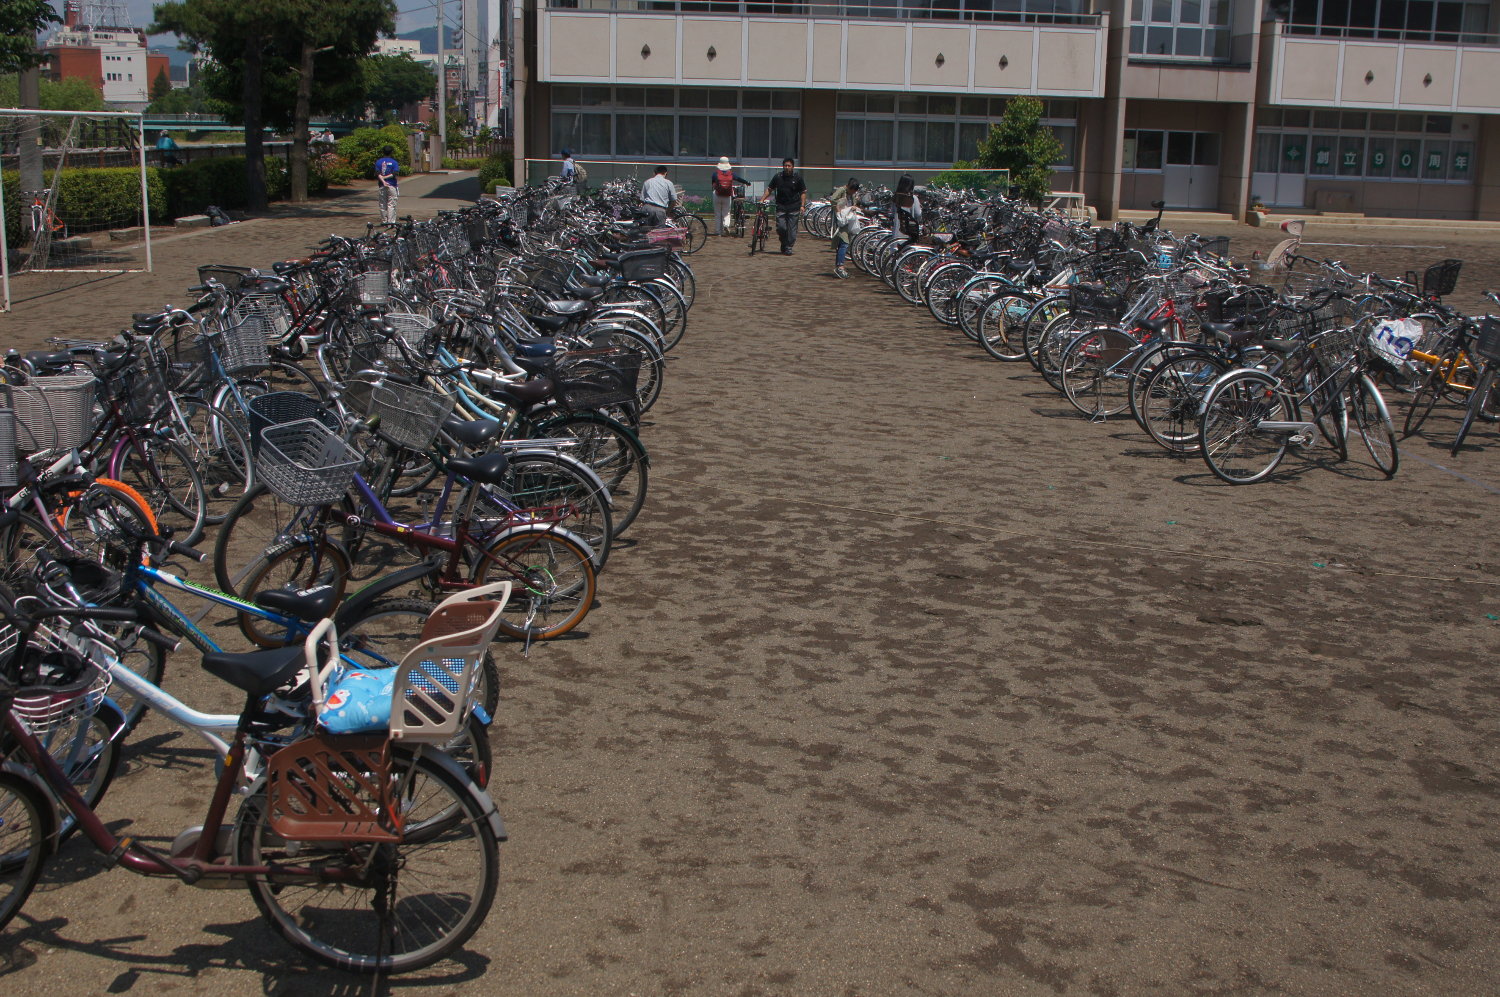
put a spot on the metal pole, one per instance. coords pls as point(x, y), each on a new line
point(4, 247)
point(442, 85)
point(145, 194)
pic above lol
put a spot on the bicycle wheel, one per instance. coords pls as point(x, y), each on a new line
point(1233, 445)
point(25, 825)
point(614, 453)
point(381, 635)
point(1036, 323)
point(85, 749)
point(296, 563)
point(653, 373)
point(411, 902)
point(1478, 398)
point(104, 522)
point(1373, 422)
point(163, 472)
point(542, 480)
point(1096, 372)
point(1173, 396)
point(259, 522)
point(697, 233)
point(555, 581)
point(1000, 324)
point(681, 276)
point(674, 306)
point(141, 656)
point(1425, 399)
point(1054, 343)
point(971, 299)
point(220, 449)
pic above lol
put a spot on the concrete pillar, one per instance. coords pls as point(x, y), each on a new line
point(539, 128)
point(1487, 170)
point(819, 112)
point(1236, 157)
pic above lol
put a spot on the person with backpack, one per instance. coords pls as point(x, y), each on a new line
point(387, 171)
point(723, 180)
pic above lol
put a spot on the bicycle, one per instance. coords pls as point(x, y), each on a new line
point(761, 228)
point(381, 820)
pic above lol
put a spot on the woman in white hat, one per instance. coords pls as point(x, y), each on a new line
point(723, 181)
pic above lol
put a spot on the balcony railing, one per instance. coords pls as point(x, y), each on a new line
point(1366, 34)
point(1067, 13)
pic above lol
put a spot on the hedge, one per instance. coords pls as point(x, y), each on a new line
point(362, 147)
point(453, 163)
point(496, 168)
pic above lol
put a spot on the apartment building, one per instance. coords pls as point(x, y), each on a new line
point(113, 58)
point(1386, 107)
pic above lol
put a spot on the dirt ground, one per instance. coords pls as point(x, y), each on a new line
point(909, 680)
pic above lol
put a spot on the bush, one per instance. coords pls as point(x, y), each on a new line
point(983, 182)
point(496, 168)
point(451, 163)
point(195, 186)
point(109, 197)
point(362, 147)
point(337, 170)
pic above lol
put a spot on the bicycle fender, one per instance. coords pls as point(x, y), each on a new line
point(541, 528)
point(353, 606)
point(603, 420)
point(580, 466)
point(485, 801)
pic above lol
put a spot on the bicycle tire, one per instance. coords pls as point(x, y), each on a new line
point(296, 564)
point(1037, 320)
point(26, 822)
point(1095, 376)
point(457, 856)
point(1173, 398)
point(90, 764)
point(1425, 399)
point(1478, 398)
point(555, 581)
point(538, 480)
point(220, 449)
point(681, 276)
point(257, 523)
point(697, 233)
point(163, 472)
point(614, 453)
point(675, 307)
point(1373, 421)
point(972, 297)
point(1229, 438)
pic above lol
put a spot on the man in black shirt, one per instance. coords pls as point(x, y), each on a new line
point(791, 198)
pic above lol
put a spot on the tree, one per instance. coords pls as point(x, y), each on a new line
point(20, 22)
point(161, 86)
point(1020, 143)
point(71, 93)
point(393, 81)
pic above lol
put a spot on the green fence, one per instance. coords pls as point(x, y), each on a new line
point(695, 178)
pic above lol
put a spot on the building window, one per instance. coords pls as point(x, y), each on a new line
point(931, 129)
point(1180, 29)
point(1392, 20)
point(1358, 146)
point(656, 123)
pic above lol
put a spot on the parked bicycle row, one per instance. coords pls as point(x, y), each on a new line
point(469, 390)
point(1236, 366)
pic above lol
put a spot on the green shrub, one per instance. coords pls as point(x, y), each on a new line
point(109, 197)
point(337, 170)
point(451, 163)
point(362, 147)
point(195, 186)
point(495, 168)
point(981, 181)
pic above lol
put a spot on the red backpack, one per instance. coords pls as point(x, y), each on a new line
point(723, 182)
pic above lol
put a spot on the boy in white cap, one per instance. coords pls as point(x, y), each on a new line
point(723, 182)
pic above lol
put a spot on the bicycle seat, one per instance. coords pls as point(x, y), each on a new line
point(570, 308)
point(1155, 326)
point(551, 323)
point(537, 349)
point(471, 432)
point(592, 280)
point(488, 469)
point(40, 359)
point(525, 394)
point(1228, 333)
point(310, 604)
point(1282, 346)
point(257, 672)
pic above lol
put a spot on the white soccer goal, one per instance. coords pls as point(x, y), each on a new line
point(78, 221)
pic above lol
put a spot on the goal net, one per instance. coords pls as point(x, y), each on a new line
point(74, 193)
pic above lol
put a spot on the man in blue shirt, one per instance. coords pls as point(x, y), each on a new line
point(569, 168)
point(387, 170)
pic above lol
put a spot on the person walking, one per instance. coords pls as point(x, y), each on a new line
point(167, 146)
point(723, 182)
point(657, 195)
point(569, 168)
point(387, 171)
point(791, 198)
point(846, 216)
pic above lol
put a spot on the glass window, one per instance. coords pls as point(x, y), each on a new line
point(974, 107)
point(594, 96)
point(938, 104)
point(1321, 155)
point(1439, 124)
point(1461, 163)
point(880, 103)
point(1180, 29)
point(911, 103)
point(692, 98)
point(911, 142)
point(785, 100)
point(1382, 122)
point(854, 102)
point(1296, 118)
point(759, 100)
point(723, 136)
point(1352, 121)
point(1206, 149)
point(629, 97)
point(1148, 150)
point(879, 141)
point(1068, 136)
point(1409, 123)
point(692, 136)
point(630, 134)
point(784, 137)
point(565, 96)
point(1435, 154)
point(1326, 119)
point(939, 143)
point(1408, 158)
point(755, 141)
point(723, 99)
point(849, 140)
point(1267, 146)
point(1351, 161)
point(1179, 148)
point(970, 134)
point(660, 98)
point(1378, 158)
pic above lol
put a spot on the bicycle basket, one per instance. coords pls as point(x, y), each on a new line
point(1487, 339)
point(281, 407)
point(269, 308)
point(228, 274)
point(7, 448)
point(242, 346)
point(643, 264)
point(304, 463)
point(411, 328)
point(1441, 278)
point(592, 379)
point(668, 235)
point(373, 287)
point(52, 685)
point(333, 788)
point(410, 415)
point(54, 414)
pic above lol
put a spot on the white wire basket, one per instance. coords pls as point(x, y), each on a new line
point(410, 415)
point(7, 448)
point(412, 329)
point(373, 287)
point(242, 346)
point(268, 307)
point(305, 463)
point(54, 414)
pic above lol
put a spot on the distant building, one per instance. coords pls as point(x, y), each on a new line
point(398, 46)
point(114, 59)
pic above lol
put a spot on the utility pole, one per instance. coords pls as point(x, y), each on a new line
point(442, 64)
point(29, 89)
